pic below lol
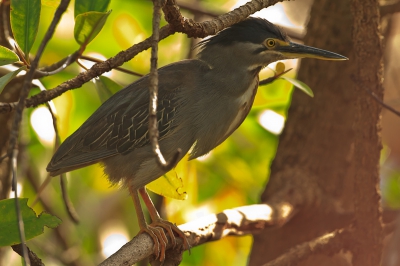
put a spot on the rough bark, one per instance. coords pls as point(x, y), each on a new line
point(331, 141)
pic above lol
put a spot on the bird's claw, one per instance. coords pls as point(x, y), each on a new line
point(159, 238)
point(171, 229)
point(156, 232)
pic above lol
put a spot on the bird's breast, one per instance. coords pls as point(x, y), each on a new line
point(244, 102)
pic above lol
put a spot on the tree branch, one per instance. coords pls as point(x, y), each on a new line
point(153, 92)
point(127, 71)
point(238, 221)
point(197, 30)
point(179, 23)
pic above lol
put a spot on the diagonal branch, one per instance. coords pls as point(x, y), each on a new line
point(238, 221)
point(95, 71)
point(192, 29)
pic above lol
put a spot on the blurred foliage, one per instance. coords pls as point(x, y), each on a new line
point(390, 180)
point(391, 190)
point(232, 175)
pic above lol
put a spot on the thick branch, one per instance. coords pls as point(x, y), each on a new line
point(179, 23)
point(239, 221)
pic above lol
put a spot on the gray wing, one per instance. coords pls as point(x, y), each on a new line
point(120, 125)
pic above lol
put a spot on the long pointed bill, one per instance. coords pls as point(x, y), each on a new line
point(295, 50)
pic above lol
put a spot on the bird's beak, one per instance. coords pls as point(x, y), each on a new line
point(295, 50)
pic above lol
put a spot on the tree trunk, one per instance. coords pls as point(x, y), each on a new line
point(331, 143)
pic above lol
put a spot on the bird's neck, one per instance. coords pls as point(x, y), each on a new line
point(233, 80)
point(230, 62)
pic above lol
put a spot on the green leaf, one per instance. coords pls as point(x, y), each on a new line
point(88, 25)
point(7, 56)
point(8, 77)
point(82, 6)
point(25, 15)
point(106, 87)
point(33, 224)
point(300, 85)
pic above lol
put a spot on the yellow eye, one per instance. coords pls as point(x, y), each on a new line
point(270, 43)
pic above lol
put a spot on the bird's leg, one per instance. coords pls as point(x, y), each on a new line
point(156, 233)
point(157, 221)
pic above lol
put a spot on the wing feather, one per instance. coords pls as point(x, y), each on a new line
point(120, 125)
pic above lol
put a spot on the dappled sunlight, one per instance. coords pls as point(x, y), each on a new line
point(63, 30)
point(113, 237)
point(272, 121)
point(199, 212)
point(42, 124)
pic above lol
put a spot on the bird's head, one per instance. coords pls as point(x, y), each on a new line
point(256, 42)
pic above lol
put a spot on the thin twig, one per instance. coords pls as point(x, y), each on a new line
point(21, 228)
point(153, 91)
point(388, 107)
point(56, 67)
point(12, 149)
point(238, 221)
point(81, 65)
point(28, 80)
point(73, 215)
point(272, 79)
